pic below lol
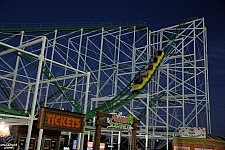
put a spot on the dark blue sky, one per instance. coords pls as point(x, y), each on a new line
point(160, 14)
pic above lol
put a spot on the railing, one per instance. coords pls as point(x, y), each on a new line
point(41, 27)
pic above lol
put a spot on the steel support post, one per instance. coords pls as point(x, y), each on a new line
point(119, 139)
point(32, 117)
point(15, 73)
point(85, 104)
point(167, 107)
point(147, 122)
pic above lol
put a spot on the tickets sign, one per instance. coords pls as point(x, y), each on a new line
point(53, 119)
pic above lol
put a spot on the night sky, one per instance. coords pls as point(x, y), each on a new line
point(159, 14)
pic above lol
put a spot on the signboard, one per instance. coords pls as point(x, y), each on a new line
point(102, 146)
point(90, 146)
point(53, 119)
point(120, 122)
point(181, 148)
point(196, 132)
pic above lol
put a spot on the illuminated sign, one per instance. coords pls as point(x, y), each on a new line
point(120, 122)
point(53, 119)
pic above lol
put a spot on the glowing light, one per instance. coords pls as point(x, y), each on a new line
point(6, 128)
point(2, 127)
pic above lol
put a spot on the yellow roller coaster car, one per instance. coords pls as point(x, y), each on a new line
point(144, 79)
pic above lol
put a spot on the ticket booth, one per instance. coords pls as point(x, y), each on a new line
point(53, 122)
point(50, 138)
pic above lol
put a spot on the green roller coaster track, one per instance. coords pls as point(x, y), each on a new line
point(12, 112)
point(49, 27)
point(109, 106)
